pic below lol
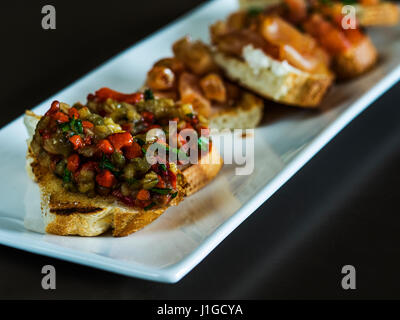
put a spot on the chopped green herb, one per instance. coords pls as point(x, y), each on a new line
point(203, 143)
point(174, 195)
point(161, 190)
point(76, 125)
point(65, 127)
point(67, 175)
point(140, 142)
point(148, 94)
point(163, 167)
point(106, 164)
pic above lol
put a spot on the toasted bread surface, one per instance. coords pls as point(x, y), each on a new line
point(293, 87)
point(199, 175)
point(246, 114)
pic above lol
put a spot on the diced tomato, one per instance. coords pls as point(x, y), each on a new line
point(77, 141)
point(106, 93)
point(143, 195)
point(60, 117)
point(87, 124)
point(133, 151)
point(105, 146)
point(55, 107)
point(73, 113)
point(148, 116)
point(106, 179)
point(172, 178)
point(73, 162)
point(120, 140)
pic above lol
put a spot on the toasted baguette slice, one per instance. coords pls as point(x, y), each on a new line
point(381, 14)
point(246, 114)
point(65, 213)
point(274, 79)
point(355, 61)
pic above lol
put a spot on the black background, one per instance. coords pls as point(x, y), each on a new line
point(341, 208)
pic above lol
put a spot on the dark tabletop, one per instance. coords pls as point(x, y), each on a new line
point(341, 209)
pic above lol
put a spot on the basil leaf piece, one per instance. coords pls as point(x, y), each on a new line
point(174, 195)
point(67, 175)
point(161, 190)
point(148, 94)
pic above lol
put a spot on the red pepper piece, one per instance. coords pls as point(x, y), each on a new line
point(133, 151)
point(73, 113)
point(106, 93)
point(105, 146)
point(60, 117)
point(77, 141)
point(120, 140)
point(55, 107)
point(105, 179)
point(143, 194)
point(87, 124)
point(172, 178)
point(73, 162)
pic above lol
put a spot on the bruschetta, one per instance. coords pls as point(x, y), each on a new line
point(89, 162)
point(269, 56)
point(192, 76)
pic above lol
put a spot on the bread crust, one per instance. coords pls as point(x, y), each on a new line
point(199, 175)
point(246, 114)
point(356, 61)
point(293, 88)
point(65, 213)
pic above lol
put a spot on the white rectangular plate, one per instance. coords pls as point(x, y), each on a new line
point(170, 247)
